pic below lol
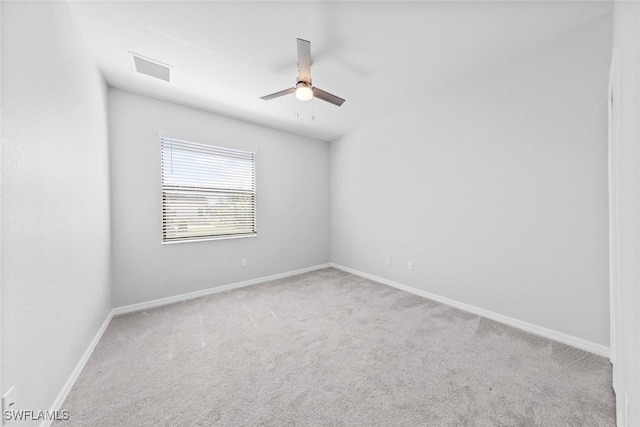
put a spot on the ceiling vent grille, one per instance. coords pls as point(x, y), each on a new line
point(150, 67)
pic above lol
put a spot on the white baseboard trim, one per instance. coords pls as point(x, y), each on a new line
point(62, 396)
point(580, 343)
point(529, 327)
point(197, 294)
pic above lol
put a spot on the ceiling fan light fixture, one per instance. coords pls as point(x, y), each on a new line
point(303, 88)
point(303, 91)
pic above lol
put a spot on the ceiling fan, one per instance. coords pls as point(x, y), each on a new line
point(303, 89)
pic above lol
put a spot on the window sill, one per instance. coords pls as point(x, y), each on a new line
point(207, 239)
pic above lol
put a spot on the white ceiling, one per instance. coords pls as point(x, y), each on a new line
point(379, 56)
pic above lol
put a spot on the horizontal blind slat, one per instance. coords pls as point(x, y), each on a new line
point(198, 146)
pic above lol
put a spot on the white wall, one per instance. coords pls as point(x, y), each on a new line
point(292, 190)
point(626, 369)
point(495, 188)
point(1, 139)
point(55, 200)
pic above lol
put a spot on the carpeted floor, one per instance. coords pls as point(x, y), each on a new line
point(331, 349)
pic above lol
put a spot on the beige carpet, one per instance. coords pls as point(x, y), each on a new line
point(331, 349)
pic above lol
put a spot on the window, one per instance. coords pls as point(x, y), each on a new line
point(208, 192)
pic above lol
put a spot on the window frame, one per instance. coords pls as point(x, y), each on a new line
point(168, 135)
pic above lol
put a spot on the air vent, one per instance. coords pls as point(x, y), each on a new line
point(150, 67)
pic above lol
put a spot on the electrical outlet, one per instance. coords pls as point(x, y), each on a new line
point(388, 260)
point(410, 265)
point(244, 262)
point(8, 401)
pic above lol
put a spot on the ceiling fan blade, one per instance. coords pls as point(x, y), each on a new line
point(279, 94)
point(326, 96)
point(304, 60)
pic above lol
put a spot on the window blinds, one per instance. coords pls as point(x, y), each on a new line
point(207, 191)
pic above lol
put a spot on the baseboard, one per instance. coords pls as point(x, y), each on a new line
point(191, 295)
point(529, 327)
point(62, 396)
